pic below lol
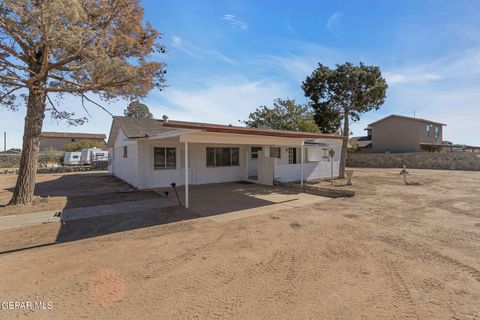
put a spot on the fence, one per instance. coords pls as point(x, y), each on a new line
point(468, 161)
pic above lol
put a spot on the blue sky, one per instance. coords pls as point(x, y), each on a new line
point(226, 58)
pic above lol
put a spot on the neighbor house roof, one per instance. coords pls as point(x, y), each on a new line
point(406, 118)
point(73, 135)
point(141, 128)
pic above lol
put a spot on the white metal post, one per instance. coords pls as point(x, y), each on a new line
point(186, 174)
point(301, 160)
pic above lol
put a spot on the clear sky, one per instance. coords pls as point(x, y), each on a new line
point(225, 58)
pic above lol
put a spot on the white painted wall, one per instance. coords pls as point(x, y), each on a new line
point(125, 168)
point(311, 170)
point(199, 173)
point(285, 172)
point(138, 170)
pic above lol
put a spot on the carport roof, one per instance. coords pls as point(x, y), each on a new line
point(135, 128)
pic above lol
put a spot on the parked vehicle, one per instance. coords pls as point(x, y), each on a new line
point(93, 155)
point(71, 158)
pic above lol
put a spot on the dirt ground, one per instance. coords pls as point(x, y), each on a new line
point(69, 190)
point(391, 252)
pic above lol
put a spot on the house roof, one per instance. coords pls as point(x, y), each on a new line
point(251, 131)
point(135, 128)
point(73, 135)
point(406, 118)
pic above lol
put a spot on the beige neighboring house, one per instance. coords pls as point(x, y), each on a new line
point(401, 134)
point(57, 140)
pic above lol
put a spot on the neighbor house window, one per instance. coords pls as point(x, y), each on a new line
point(437, 133)
point(125, 153)
point(275, 152)
point(72, 140)
point(164, 158)
point(292, 155)
point(427, 130)
point(254, 152)
point(223, 157)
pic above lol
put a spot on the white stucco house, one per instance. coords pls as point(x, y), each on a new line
point(150, 153)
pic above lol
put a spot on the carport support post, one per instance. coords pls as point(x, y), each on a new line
point(301, 167)
point(186, 174)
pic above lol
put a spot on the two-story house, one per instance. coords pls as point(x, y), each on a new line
point(400, 134)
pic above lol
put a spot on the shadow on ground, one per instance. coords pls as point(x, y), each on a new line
point(91, 190)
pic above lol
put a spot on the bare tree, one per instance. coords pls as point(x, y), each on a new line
point(55, 47)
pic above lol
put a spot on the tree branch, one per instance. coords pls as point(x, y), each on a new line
point(97, 104)
point(65, 115)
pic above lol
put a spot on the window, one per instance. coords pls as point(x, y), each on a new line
point(292, 155)
point(164, 158)
point(125, 152)
point(74, 157)
point(275, 152)
point(437, 133)
point(223, 157)
point(254, 152)
point(326, 154)
point(427, 130)
point(72, 140)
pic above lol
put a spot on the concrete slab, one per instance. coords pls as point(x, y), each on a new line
point(222, 202)
point(117, 208)
point(21, 220)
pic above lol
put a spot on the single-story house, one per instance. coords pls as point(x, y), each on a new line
point(58, 140)
point(150, 153)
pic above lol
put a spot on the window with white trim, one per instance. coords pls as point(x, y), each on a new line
point(223, 157)
point(292, 155)
point(254, 152)
point(275, 152)
point(164, 158)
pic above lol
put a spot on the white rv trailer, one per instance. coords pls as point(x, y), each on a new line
point(71, 158)
point(91, 155)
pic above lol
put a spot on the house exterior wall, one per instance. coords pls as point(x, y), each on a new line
point(398, 135)
point(199, 173)
point(312, 170)
point(138, 168)
point(50, 143)
point(125, 168)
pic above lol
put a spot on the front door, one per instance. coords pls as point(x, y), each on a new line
point(253, 155)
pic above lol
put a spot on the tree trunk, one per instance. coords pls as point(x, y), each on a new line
point(343, 155)
point(23, 193)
